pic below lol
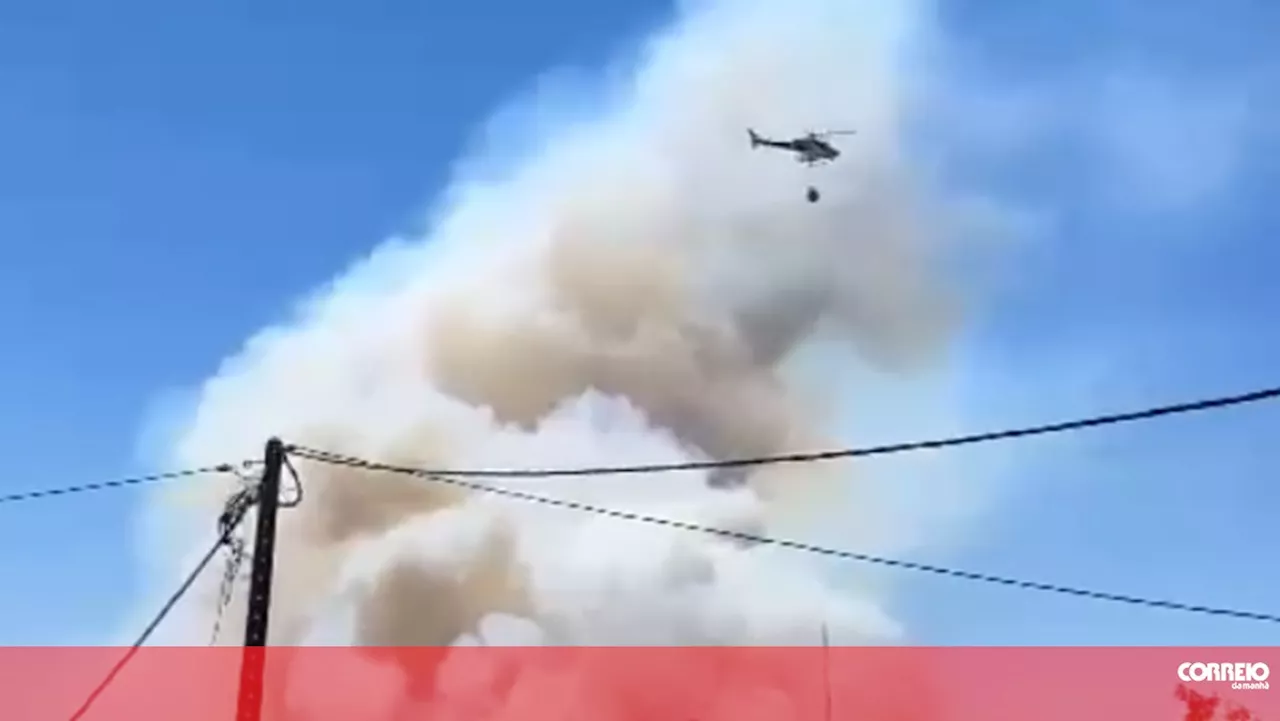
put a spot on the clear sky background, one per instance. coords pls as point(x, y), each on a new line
point(173, 176)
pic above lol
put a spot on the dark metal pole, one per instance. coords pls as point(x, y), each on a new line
point(249, 705)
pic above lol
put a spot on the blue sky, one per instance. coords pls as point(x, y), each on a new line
point(172, 179)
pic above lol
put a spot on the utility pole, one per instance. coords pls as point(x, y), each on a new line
point(253, 665)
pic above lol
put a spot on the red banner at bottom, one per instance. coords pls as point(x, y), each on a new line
point(648, 684)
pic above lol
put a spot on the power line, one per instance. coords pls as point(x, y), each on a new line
point(811, 457)
point(1023, 584)
point(227, 524)
point(119, 483)
point(151, 627)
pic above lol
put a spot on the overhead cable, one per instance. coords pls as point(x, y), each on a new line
point(816, 456)
point(230, 519)
point(118, 483)
point(1023, 584)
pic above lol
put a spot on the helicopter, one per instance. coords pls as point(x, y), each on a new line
point(810, 149)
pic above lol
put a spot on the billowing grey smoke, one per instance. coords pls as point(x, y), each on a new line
point(630, 293)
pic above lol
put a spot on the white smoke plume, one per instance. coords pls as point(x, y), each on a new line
point(633, 291)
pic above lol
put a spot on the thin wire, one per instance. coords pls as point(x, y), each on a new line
point(824, 551)
point(296, 500)
point(155, 622)
point(120, 483)
point(226, 591)
point(811, 457)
